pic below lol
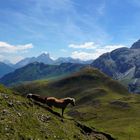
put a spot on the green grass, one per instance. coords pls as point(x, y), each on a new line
point(123, 123)
point(21, 119)
point(100, 102)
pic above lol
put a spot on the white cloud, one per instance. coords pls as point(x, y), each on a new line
point(8, 48)
point(83, 55)
point(86, 45)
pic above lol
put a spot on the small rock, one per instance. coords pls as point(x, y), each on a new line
point(44, 118)
point(6, 128)
point(5, 112)
point(10, 104)
point(4, 95)
point(18, 103)
point(19, 114)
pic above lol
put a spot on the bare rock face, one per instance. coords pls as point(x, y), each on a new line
point(122, 64)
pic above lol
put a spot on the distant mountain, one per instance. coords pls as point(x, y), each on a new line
point(122, 64)
point(66, 60)
point(70, 60)
point(4, 69)
point(24, 62)
point(36, 70)
point(8, 63)
point(46, 59)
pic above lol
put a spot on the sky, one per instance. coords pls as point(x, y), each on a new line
point(82, 29)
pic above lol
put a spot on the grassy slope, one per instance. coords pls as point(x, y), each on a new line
point(21, 119)
point(101, 102)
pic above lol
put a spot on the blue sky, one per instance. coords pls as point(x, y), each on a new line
point(78, 28)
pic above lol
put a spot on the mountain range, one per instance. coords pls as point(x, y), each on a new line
point(7, 67)
point(46, 59)
point(36, 70)
point(122, 64)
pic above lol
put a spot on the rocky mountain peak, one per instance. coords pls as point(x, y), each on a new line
point(44, 55)
point(136, 45)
